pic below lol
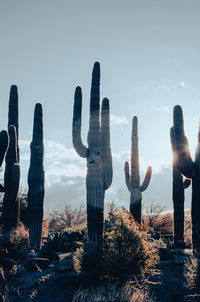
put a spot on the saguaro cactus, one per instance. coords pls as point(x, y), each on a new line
point(11, 206)
point(190, 169)
point(13, 112)
point(98, 154)
point(36, 180)
point(4, 142)
point(133, 180)
point(178, 196)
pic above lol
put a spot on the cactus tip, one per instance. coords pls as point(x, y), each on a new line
point(177, 108)
point(105, 103)
point(78, 89)
point(38, 107)
point(96, 69)
point(13, 88)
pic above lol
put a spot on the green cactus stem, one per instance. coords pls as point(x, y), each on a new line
point(178, 196)
point(133, 180)
point(190, 169)
point(98, 154)
point(36, 181)
point(11, 205)
point(4, 142)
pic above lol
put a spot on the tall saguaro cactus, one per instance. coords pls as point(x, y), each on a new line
point(133, 180)
point(11, 205)
point(13, 112)
point(36, 180)
point(190, 169)
point(178, 196)
point(98, 154)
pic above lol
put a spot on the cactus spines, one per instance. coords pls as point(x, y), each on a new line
point(133, 180)
point(190, 169)
point(4, 142)
point(178, 196)
point(11, 204)
point(98, 154)
point(36, 180)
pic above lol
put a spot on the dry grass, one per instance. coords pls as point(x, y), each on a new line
point(112, 293)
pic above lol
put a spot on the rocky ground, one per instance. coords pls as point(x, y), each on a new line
point(175, 278)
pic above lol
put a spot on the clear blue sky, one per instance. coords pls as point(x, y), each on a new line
point(149, 52)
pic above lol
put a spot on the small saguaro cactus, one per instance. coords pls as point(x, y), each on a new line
point(36, 181)
point(133, 180)
point(11, 204)
point(98, 154)
point(178, 196)
point(4, 142)
point(190, 169)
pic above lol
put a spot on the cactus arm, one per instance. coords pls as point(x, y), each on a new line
point(11, 156)
point(106, 157)
point(135, 176)
point(186, 183)
point(127, 176)
point(94, 124)
point(184, 160)
point(147, 179)
point(10, 202)
point(4, 142)
point(76, 127)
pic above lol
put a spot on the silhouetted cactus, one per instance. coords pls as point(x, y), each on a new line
point(36, 181)
point(4, 142)
point(13, 112)
point(178, 196)
point(11, 204)
point(190, 169)
point(98, 154)
point(133, 180)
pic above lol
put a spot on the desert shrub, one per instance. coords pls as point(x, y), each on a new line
point(188, 229)
point(16, 244)
point(89, 259)
point(66, 218)
point(127, 249)
point(159, 222)
point(66, 241)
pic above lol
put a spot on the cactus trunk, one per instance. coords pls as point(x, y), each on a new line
point(36, 181)
point(13, 112)
point(190, 169)
point(133, 180)
point(195, 212)
point(98, 154)
point(178, 196)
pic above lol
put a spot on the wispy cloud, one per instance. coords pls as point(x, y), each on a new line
point(118, 120)
point(163, 109)
point(182, 84)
